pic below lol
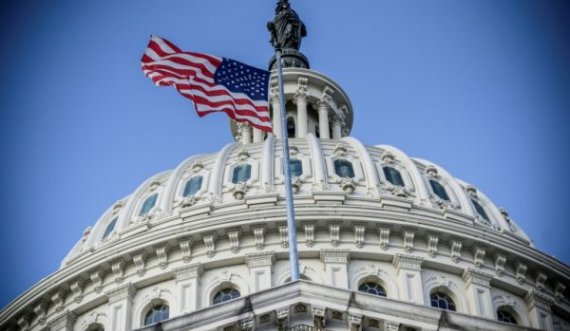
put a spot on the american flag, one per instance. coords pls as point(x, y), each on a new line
point(214, 84)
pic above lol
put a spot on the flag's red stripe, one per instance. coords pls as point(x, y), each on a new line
point(232, 105)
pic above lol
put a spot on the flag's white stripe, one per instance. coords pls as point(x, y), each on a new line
point(186, 57)
point(164, 46)
point(174, 72)
point(252, 119)
point(223, 98)
point(235, 95)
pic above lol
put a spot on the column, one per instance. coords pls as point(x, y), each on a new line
point(301, 97)
point(539, 310)
point(244, 130)
point(121, 304)
point(276, 117)
point(63, 322)
point(260, 265)
point(187, 279)
point(478, 288)
point(336, 266)
point(257, 135)
point(408, 271)
point(336, 127)
point(323, 119)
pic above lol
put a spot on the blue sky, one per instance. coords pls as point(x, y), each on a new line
point(481, 88)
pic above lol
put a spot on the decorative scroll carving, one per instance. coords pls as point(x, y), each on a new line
point(239, 190)
point(162, 254)
point(309, 235)
point(520, 273)
point(210, 243)
point(384, 235)
point(259, 237)
point(500, 262)
point(432, 245)
point(77, 290)
point(537, 299)
point(359, 235)
point(118, 269)
point(186, 248)
point(334, 230)
point(64, 321)
point(559, 291)
point(233, 236)
point(456, 250)
point(139, 261)
point(24, 323)
point(355, 322)
point(478, 257)
point(347, 184)
point(97, 280)
point(41, 311)
point(475, 276)
point(284, 236)
point(282, 318)
point(540, 280)
point(58, 299)
point(408, 241)
point(247, 324)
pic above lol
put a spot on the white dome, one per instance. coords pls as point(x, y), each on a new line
point(316, 156)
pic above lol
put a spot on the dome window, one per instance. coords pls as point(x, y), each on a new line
point(439, 190)
point(96, 327)
point(157, 314)
point(393, 176)
point(110, 228)
point(505, 315)
point(193, 185)
point(296, 167)
point(226, 294)
point(148, 204)
point(442, 301)
point(372, 288)
point(481, 210)
point(290, 127)
point(241, 174)
point(343, 168)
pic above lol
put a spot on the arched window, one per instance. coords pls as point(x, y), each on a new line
point(296, 167)
point(393, 176)
point(193, 185)
point(372, 288)
point(343, 168)
point(290, 127)
point(225, 295)
point(156, 314)
point(480, 210)
point(442, 301)
point(110, 228)
point(506, 315)
point(148, 204)
point(242, 173)
point(439, 190)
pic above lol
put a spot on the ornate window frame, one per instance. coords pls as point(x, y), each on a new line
point(432, 173)
point(375, 273)
point(389, 160)
point(242, 158)
point(196, 169)
point(221, 281)
point(511, 303)
point(154, 296)
point(295, 155)
point(437, 283)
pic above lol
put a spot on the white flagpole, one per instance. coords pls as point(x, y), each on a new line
point(291, 227)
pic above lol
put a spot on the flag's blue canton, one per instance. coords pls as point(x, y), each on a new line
point(239, 77)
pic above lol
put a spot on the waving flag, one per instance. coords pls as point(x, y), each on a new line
point(214, 84)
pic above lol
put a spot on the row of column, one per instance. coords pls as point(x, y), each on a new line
point(335, 261)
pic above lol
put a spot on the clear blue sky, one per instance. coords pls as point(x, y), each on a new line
point(480, 87)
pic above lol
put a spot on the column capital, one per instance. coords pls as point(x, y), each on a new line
point(475, 276)
point(191, 271)
point(332, 255)
point(260, 259)
point(121, 292)
point(64, 321)
point(405, 261)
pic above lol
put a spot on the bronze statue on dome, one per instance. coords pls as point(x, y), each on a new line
point(286, 29)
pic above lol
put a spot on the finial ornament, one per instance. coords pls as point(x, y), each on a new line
point(286, 29)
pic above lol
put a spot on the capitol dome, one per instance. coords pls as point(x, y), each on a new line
point(386, 242)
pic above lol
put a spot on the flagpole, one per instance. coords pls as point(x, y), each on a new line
point(291, 227)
